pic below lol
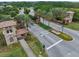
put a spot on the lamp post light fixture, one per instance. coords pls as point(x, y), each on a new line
point(62, 25)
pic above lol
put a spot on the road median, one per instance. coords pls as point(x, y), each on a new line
point(62, 35)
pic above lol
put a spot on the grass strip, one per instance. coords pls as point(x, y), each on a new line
point(62, 35)
point(36, 45)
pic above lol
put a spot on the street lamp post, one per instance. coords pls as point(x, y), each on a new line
point(62, 26)
point(43, 47)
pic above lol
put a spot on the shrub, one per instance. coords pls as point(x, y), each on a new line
point(2, 40)
point(65, 37)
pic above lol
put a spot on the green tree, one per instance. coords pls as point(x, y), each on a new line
point(38, 15)
point(43, 14)
point(26, 10)
point(24, 19)
point(49, 17)
point(12, 13)
point(5, 17)
point(76, 15)
point(2, 39)
point(58, 13)
point(9, 10)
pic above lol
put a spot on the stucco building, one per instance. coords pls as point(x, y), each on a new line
point(69, 17)
point(10, 32)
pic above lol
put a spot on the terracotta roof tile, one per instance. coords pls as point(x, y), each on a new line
point(21, 31)
point(7, 23)
point(69, 12)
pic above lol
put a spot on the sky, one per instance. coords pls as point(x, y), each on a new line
point(38, 0)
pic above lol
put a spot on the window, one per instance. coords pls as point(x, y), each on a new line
point(22, 34)
point(7, 31)
point(10, 30)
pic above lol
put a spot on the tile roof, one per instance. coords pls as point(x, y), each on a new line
point(7, 23)
point(21, 31)
point(69, 12)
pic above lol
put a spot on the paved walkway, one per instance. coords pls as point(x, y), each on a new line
point(26, 48)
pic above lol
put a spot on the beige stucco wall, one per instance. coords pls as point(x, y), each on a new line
point(8, 35)
point(70, 16)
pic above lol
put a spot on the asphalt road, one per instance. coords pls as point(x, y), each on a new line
point(73, 33)
point(63, 49)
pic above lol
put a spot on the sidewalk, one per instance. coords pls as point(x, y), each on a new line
point(26, 48)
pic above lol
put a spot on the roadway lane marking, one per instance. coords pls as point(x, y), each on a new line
point(54, 44)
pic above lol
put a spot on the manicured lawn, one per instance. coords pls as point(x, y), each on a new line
point(44, 26)
point(36, 46)
point(73, 25)
point(64, 36)
point(14, 50)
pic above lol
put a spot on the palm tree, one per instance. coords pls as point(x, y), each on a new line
point(27, 20)
point(38, 12)
point(49, 17)
point(23, 19)
point(58, 13)
point(27, 10)
point(43, 14)
point(38, 15)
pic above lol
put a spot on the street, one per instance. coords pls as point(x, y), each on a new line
point(74, 34)
point(63, 49)
point(58, 27)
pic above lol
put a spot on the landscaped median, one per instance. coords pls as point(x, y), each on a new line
point(66, 37)
point(36, 46)
point(62, 35)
